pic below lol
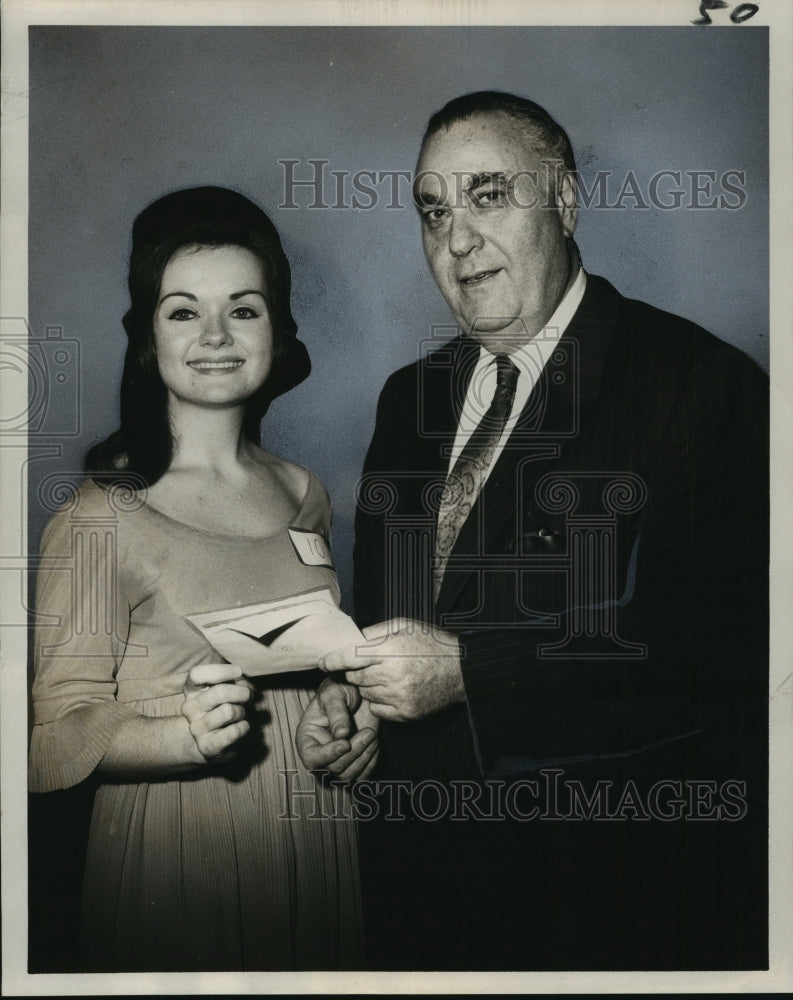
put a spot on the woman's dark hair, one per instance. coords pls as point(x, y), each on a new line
point(204, 216)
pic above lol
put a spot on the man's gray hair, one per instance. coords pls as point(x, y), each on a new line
point(539, 127)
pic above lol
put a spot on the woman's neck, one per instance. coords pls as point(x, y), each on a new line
point(208, 439)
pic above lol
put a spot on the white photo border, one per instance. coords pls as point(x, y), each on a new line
point(17, 15)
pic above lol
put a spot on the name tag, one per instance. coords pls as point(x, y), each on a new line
point(310, 547)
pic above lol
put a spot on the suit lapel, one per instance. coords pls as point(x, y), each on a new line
point(569, 385)
point(443, 381)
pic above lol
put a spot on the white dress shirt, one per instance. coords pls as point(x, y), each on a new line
point(530, 360)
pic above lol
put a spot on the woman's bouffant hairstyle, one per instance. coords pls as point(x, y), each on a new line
point(206, 216)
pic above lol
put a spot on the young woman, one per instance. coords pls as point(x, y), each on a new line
point(202, 853)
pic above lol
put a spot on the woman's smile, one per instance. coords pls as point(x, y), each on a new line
point(216, 367)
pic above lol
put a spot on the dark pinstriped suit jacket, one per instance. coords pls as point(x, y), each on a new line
point(610, 585)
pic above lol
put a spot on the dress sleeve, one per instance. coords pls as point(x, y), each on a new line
point(82, 620)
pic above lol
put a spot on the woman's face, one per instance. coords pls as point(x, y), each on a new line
point(212, 330)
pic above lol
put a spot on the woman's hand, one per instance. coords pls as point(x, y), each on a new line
point(214, 705)
point(338, 733)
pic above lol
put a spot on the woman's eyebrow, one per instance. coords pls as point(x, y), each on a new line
point(184, 295)
point(233, 296)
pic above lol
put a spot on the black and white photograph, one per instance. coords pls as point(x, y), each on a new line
point(397, 561)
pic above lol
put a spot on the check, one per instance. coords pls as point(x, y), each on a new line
point(278, 636)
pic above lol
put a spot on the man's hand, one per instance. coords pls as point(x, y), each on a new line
point(338, 733)
point(405, 671)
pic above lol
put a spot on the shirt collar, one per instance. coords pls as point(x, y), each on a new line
point(552, 331)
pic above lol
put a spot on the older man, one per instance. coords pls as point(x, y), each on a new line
point(561, 551)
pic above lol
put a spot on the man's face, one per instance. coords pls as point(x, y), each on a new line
point(495, 238)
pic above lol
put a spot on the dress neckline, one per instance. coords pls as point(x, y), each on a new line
point(235, 537)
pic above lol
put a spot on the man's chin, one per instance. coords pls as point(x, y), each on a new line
point(499, 336)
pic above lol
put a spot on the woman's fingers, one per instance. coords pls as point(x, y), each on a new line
point(205, 699)
point(218, 718)
point(215, 698)
point(319, 756)
point(350, 765)
point(212, 673)
point(371, 765)
point(217, 742)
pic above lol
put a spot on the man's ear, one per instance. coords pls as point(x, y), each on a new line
point(565, 201)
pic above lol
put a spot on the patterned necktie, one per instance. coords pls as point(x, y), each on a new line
point(470, 470)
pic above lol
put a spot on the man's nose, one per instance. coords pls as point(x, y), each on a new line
point(464, 235)
point(214, 332)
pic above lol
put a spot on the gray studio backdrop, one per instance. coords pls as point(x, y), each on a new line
point(119, 116)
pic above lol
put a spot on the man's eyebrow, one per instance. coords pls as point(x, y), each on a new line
point(424, 198)
point(485, 177)
point(472, 183)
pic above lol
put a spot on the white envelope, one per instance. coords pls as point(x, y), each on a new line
point(277, 636)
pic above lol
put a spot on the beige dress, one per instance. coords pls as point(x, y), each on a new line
point(245, 866)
